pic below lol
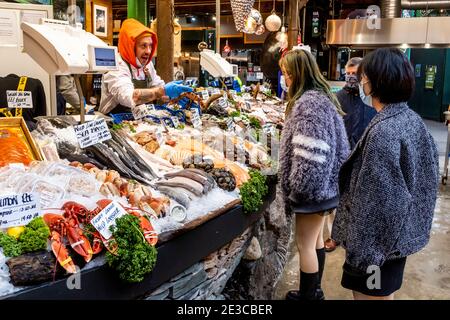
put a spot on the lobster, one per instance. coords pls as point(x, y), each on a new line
point(67, 226)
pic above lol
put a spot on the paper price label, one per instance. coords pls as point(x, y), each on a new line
point(225, 96)
point(19, 99)
point(175, 121)
point(269, 129)
point(216, 91)
point(107, 218)
point(160, 136)
point(18, 210)
point(142, 111)
point(223, 103)
point(196, 120)
point(259, 75)
point(248, 105)
point(230, 124)
point(92, 132)
point(204, 95)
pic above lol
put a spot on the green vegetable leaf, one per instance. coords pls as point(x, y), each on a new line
point(135, 256)
point(11, 248)
point(253, 191)
point(35, 236)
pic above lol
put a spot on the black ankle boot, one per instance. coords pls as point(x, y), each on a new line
point(308, 288)
point(321, 259)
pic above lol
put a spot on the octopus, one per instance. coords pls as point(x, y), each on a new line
point(13, 149)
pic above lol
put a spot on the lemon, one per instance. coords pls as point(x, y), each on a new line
point(15, 231)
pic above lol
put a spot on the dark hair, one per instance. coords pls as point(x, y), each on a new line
point(353, 62)
point(390, 74)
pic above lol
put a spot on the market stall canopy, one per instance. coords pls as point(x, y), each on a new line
point(62, 49)
point(390, 32)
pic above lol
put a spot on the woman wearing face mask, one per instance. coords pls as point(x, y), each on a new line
point(389, 183)
point(313, 147)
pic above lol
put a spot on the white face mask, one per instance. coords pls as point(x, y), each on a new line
point(366, 99)
point(283, 84)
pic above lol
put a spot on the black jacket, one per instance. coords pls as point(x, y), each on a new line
point(358, 114)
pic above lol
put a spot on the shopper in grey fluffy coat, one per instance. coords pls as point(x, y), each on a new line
point(388, 190)
point(313, 147)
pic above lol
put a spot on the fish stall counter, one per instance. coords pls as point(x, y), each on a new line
point(177, 251)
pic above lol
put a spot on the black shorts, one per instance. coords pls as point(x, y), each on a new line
point(391, 278)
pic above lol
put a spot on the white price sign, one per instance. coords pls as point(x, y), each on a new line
point(92, 132)
point(196, 120)
point(259, 75)
point(223, 103)
point(142, 111)
point(269, 128)
point(19, 99)
point(205, 95)
point(160, 136)
point(107, 218)
point(18, 210)
point(216, 91)
point(230, 124)
point(175, 121)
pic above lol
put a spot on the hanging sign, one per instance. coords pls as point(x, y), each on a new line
point(430, 76)
point(315, 25)
point(18, 210)
point(92, 132)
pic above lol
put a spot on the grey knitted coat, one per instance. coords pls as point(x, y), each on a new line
point(313, 147)
point(388, 189)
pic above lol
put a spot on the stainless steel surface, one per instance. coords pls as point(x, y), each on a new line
point(423, 4)
point(396, 32)
point(390, 8)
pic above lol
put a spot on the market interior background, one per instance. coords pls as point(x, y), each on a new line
point(272, 271)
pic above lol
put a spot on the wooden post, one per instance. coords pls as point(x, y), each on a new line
point(164, 15)
point(293, 27)
point(218, 26)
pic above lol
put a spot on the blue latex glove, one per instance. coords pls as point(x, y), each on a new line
point(175, 88)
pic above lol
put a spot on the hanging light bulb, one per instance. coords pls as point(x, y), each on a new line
point(273, 22)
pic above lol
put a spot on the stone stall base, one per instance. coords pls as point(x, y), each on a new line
point(207, 279)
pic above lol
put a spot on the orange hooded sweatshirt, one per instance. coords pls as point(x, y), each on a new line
point(129, 32)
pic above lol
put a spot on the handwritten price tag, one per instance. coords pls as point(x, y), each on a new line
point(205, 95)
point(18, 210)
point(175, 121)
point(142, 111)
point(19, 99)
point(196, 120)
point(230, 124)
point(160, 136)
point(92, 132)
point(107, 218)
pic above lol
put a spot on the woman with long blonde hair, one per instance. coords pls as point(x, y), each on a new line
point(313, 147)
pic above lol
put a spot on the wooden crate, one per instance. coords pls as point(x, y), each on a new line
point(18, 122)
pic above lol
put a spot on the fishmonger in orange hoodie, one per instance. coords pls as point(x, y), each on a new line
point(136, 81)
